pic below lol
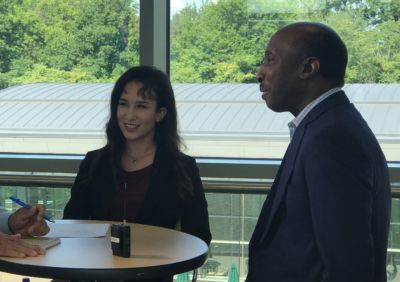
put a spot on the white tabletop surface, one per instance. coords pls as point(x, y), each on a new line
point(155, 252)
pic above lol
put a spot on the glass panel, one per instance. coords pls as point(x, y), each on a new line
point(74, 41)
point(232, 220)
point(224, 41)
point(54, 199)
point(393, 260)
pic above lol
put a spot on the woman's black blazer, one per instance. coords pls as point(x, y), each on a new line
point(94, 187)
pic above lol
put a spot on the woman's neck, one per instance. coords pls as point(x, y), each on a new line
point(136, 150)
point(137, 156)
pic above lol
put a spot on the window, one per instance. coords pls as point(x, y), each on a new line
point(216, 48)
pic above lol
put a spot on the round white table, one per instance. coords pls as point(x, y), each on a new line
point(155, 252)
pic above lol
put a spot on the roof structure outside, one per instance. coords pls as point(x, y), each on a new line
point(205, 110)
point(216, 120)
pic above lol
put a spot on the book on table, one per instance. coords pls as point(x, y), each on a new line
point(44, 242)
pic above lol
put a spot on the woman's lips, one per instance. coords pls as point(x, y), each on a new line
point(131, 127)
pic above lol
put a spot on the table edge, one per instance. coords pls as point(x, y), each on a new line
point(104, 274)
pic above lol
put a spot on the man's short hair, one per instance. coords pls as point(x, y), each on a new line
point(321, 41)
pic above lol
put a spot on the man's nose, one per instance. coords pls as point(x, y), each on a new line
point(259, 76)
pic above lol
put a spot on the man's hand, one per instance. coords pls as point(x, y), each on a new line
point(12, 246)
point(29, 221)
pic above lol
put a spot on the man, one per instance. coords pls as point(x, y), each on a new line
point(327, 215)
point(27, 222)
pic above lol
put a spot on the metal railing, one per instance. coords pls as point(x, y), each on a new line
point(219, 175)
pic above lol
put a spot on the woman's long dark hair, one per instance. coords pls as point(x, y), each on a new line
point(156, 85)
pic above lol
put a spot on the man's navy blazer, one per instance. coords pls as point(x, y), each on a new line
point(327, 215)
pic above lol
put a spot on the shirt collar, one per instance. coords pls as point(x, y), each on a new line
point(297, 120)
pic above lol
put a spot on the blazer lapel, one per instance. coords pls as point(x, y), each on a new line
point(281, 182)
point(265, 211)
point(157, 183)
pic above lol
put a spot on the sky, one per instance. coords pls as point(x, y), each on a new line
point(177, 5)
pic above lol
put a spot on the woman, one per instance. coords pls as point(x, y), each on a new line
point(141, 175)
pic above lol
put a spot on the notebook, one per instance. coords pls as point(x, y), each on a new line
point(44, 242)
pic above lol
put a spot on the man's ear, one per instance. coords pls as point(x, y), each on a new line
point(310, 67)
point(161, 114)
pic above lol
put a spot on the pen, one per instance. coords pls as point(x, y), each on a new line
point(27, 206)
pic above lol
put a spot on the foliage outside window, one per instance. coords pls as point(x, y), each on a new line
point(67, 41)
point(223, 41)
point(216, 41)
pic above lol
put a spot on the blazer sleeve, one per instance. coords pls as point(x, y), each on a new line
point(341, 203)
point(4, 216)
point(195, 216)
point(78, 206)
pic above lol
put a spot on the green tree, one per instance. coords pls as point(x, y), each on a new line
point(217, 41)
point(224, 41)
point(75, 40)
point(103, 31)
